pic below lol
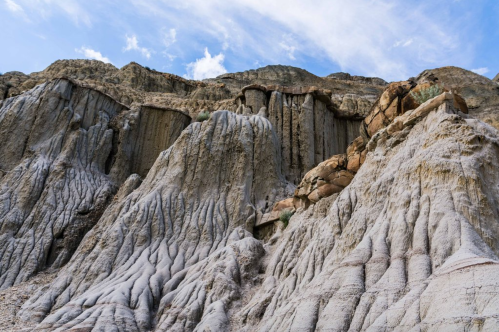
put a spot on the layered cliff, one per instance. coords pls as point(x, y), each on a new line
point(120, 211)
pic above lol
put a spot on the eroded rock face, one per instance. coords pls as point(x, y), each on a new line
point(134, 85)
point(411, 244)
point(395, 224)
point(172, 251)
point(305, 123)
point(157, 130)
point(480, 93)
point(397, 108)
point(53, 182)
point(67, 149)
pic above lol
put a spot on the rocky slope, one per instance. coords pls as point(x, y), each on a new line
point(481, 94)
point(119, 212)
point(411, 244)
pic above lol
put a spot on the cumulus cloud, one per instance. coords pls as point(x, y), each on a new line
point(132, 44)
point(92, 54)
point(481, 71)
point(206, 67)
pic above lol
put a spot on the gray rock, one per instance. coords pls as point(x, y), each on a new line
point(155, 248)
point(409, 245)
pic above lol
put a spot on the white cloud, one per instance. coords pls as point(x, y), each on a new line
point(169, 37)
point(132, 44)
point(290, 50)
point(13, 7)
point(92, 54)
point(170, 57)
point(481, 71)
point(35, 10)
point(16, 9)
point(403, 43)
point(366, 37)
point(207, 67)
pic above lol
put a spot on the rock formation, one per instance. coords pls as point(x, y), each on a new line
point(399, 98)
point(66, 150)
point(133, 85)
point(410, 244)
point(309, 126)
point(155, 245)
point(133, 217)
point(53, 178)
point(496, 79)
point(480, 93)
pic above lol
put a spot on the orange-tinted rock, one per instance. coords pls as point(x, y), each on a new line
point(379, 122)
point(392, 111)
point(329, 177)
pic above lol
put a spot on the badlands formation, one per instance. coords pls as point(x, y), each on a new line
point(121, 211)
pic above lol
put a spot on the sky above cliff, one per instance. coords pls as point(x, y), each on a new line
point(205, 38)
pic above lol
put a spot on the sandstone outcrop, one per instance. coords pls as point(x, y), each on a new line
point(134, 85)
point(361, 79)
point(410, 244)
point(130, 216)
point(396, 109)
point(480, 93)
point(352, 96)
point(305, 121)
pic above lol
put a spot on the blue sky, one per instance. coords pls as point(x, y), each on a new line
point(204, 38)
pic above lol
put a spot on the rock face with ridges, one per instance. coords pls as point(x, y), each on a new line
point(143, 221)
point(411, 244)
point(353, 96)
point(66, 150)
point(53, 182)
point(157, 129)
point(397, 106)
point(305, 123)
point(133, 85)
point(361, 79)
point(154, 247)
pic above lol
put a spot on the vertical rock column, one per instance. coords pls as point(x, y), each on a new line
point(304, 124)
point(157, 130)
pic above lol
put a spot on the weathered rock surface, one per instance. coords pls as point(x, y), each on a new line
point(411, 244)
point(53, 182)
point(148, 223)
point(352, 96)
point(496, 79)
point(66, 149)
point(305, 121)
point(480, 93)
point(157, 130)
point(395, 109)
point(360, 79)
point(148, 260)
